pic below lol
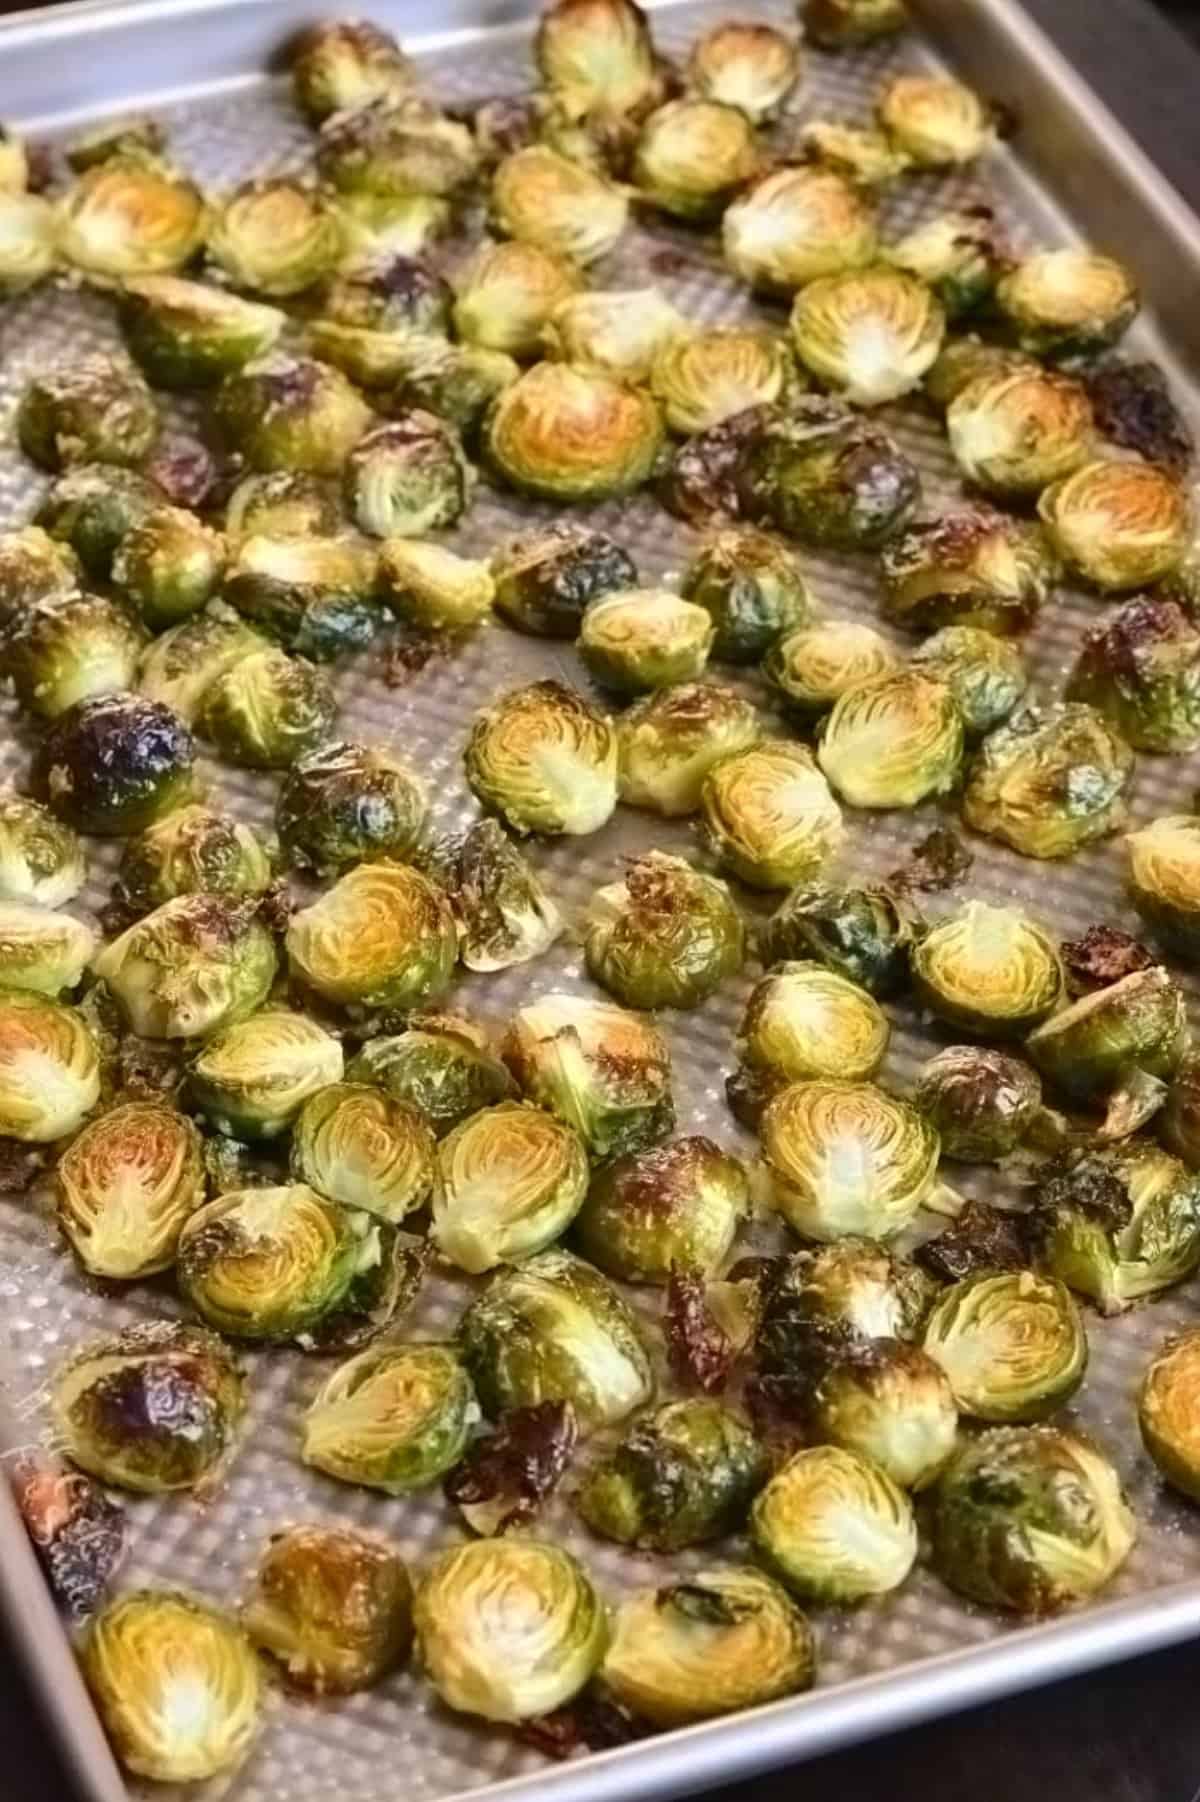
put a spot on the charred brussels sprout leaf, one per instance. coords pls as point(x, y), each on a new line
point(126, 1185)
point(332, 1606)
point(382, 937)
point(251, 1079)
point(197, 963)
point(442, 1065)
point(28, 242)
point(78, 1533)
point(168, 565)
point(869, 334)
point(1164, 880)
point(1100, 956)
point(49, 1068)
point(1141, 669)
point(1116, 1047)
point(1012, 1345)
point(41, 859)
point(566, 435)
point(938, 122)
point(753, 587)
point(889, 1403)
point(343, 63)
point(543, 198)
point(1118, 1224)
point(1118, 525)
point(284, 412)
point(892, 741)
point(186, 334)
point(504, 915)
point(408, 478)
point(1052, 779)
point(605, 1071)
point(347, 803)
point(1067, 303)
point(544, 760)
point(988, 970)
point(70, 650)
point(769, 815)
point(114, 764)
point(42, 952)
point(827, 477)
point(846, 24)
point(843, 1157)
point(511, 1180)
point(1167, 1412)
point(268, 710)
point(982, 1103)
point(801, 1022)
point(674, 1206)
point(670, 741)
point(616, 332)
point(644, 638)
point(701, 379)
point(812, 666)
point(506, 1475)
point(545, 579)
point(96, 409)
point(509, 294)
point(969, 567)
point(834, 1527)
point(700, 484)
point(192, 851)
point(180, 666)
point(796, 225)
point(851, 1289)
point(680, 1476)
point(1014, 431)
point(986, 675)
point(316, 595)
point(664, 936)
point(131, 215)
point(693, 156)
point(1133, 407)
point(355, 1144)
point(864, 934)
point(981, 1239)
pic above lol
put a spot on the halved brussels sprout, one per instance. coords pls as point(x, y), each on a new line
point(125, 1186)
point(845, 24)
point(422, 372)
point(890, 1403)
point(812, 666)
point(394, 1418)
point(115, 763)
point(511, 1180)
point(1050, 780)
point(508, 1629)
point(394, 148)
point(554, 1329)
point(386, 225)
point(682, 1475)
point(63, 651)
point(670, 741)
point(801, 1022)
point(858, 153)
point(752, 67)
point(693, 156)
point(957, 254)
point(510, 293)
point(49, 1068)
point(853, 1286)
point(939, 122)
point(442, 1064)
point(195, 964)
point(752, 585)
point(598, 55)
point(1067, 303)
point(644, 638)
point(972, 567)
point(1030, 1519)
point(565, 434)
point(168, 565)
point(864, 934)
point(347, 803)
point(388, 293)
point(42, 952)
point(1167, 1412)
point(700, 481)
point(614, 332)
point(179, 667)
point(382, 937)
point(834, 1527)
point(343, 63)
point(664, 936)
point(546, 578)
point(674, 1206)
point(433, 588)
point(1118, 1224)
point(191, 851)
point(603, 1070)
point(408, 477)
point(964, 360)
point(982, 1103)
point(333, 1606)
point(1014, 431)
point(503, 913)
point(796, 225)
point(94, 409)
point(705, 377)
point(131, 215)
point(284, 412)
point(1012, 1344)
point(252, 1078)
point(1118, 525)
point(155, 1408)
point(1141, 668)
point(268, 710)
point(190, 335)
point(90, 508)
point(176, 1683)
point(316, 595)
point(769, 815)
point(892, 741)
point(870, 334)
point(544, 198)
point(989, 970)
point(284, 504)
point(1178, 1124)
point(828, 477)
point(544, 760)
point(137, 134)
point(28, 242)
point(34, 567)
point(844, 1157)
point(1164, 880)
point(41, 859)
point(367, 1149)
point(1116, 1047)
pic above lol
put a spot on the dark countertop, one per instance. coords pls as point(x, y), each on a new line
point(1127, 1734)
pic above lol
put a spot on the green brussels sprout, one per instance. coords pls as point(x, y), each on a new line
point(752, 67)
point(168, 565)
point(367, 1149)
point(769, 816)
point(544, 760)
point(34, 567)
point(125, 1186)
point(969, 567)
point(394, 1418)
point(966, 359)
point(408, 478)
point(251, 1079)
point(843, 1157)
point(870, 334)
point(554, 1329)
point(603, 1070)
point(511, 1180)
point(155, 1408)
point(1164, 880)
point(28, 242)
point(432, 588)
point(1030, 1519)
point(693, 156)
point(1116, 1047)
point(857, 153)
point(1066, 303)
point(186, 334)
point(852, 1285)
point(803, 1022)
point(982, 1103)
point(1141, 669)
point(346, 803)
point(1119, 1223)
point(938, 122)
point(284, 504)
point(892, 1405)
point(442, 1064)
point(613, 332)
point(71, 649)
point(41, 951)
point(828, 477)
point(641, 639)
point(382, 937)
point(753, 587)
point(669, 742)
point(49, 1068)
point(545, 579)
point(194, 965)
point(541, 197)
point(192, 851)
point(268, 710)
point(176, 1684)
point(333, 1607)
point(795, 225)
point(1167, 1412)
point(812, 666)
point(509, 294)
point(598, 54)
point(988, 970)
point(1118, 525)
point(665, 935)
point(96, 409)
point(129, 134)
point(864, 934)
point(1178, 1124)
point(702, 378)
point(956, 254)
point(846, 24)
point(389, 293)
point(675, 1205)
point(834, 1527)
point(344, 63)
point(567, 435)
point(1012, 1344)
point(383, 225)
point(986, 675)
point(395, 148)
point(128, 216)
point(504, 915)
point(680, 1476)
point(316, 595)
point(115, 763)
point(457, 382)
point(89, 508)
point(1050, 780)
point(508, 1629)
point(892, 741)
point(1013, 431)
point(284, 412)
point(180, 666)
point(41, 859)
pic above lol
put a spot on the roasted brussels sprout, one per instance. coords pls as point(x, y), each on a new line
point(41, 859)
point(803, 1021)
point(509, 294)
point(845, 24)
point(554, 1329)
point(546, 578)
point(597, 55)
point(864, 934)
point(115, 763)
point(938, 122)
point(812, 666)
point(1014, 431)
point(982, 1103)
point(131, 215)
point(892, 1405)
point(968, 568)
point(693, 156)
point(395, 1418)
point(187, 334)
point(1164, 880)
point(197, 963)
point(988, 970)
point(420, 371)
point(137, 134)
point(78, 1532)
point(1141, 669)
point(1052, 779)
point(49, 1068)
point(90, 508)
point(441, 1064)
point(28, 242)
point(333, 1606)
point(1116, 1047)
point(284, 504)
point(95, 409)
point(676, 1205)
point(34, 567)
point(892, 741)
point(769, 816)
point(1118, 525)
point(284, 412)
point(1167, 1412)
point(179, 667)
point(1030, 1519)
point(508, 1628)
point(42, 952)
point(316, 595)
point(343, 63)
point(503, 913)
point(157, 1407)
point(752, 585)
point(408, 477)
point(63, 651)
point(614, 332)
point(366, 1149)
point(251, 1079)
point(827, 477)
point(268, 710)
point(1178, 1124)
point(834, 1527)
point(125, 1186)
point(168, 565)
point(566, 435)
point(544, 760)
point(796, 225)
point(843, 1157)
point(544, 198)
point(857, 153)
point(1119, 1223)
point(644, 638)
point(869, 334)
point(395, 148)
point(176, 1684)
point(703, 378)
point(752, 67)
point(670, 741)
point(191, 851)
point(382, 937)
point(388, 225)
point(511, 1180)
point(965, 359)
point(388, 293)
point(700, 481)
point(664, 936)
point(680, 1476)
point(1012, 1344)
point(851, 1289)
point(1067, 303)
point(956, 254)
point(605, 1071)
point(346, 803)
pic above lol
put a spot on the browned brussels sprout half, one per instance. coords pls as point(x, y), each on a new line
point(1050, 780)
point(60, 652)
point(191, 851)
point(1118, 1224)
point(186, 334)
point(1133, 407)
point(408, 478)
point(168, 565)
point(869, 334)
point(1141, 669)
point(845, 24)
point(544, 760)
point(666, 935)
point(1118, 525)
point(130, 215)
point(382, 937)
point(702, 482)
point(812, 666)
point(670, 740)
point(1167, 1412)
point(828, 477)
point(985, 674)
point(347, 803)
point(752, 585)
point(294, 413)
point(676, 1205)
point(1116, 1048)
point(333, 1606)
point(564, 434)
point(268, 710)
point(346, 63)
point(94, 409)
point(78, 1533)
point(546, 578)
point(865, 934)
point(959, 254)
point(283, 504)
point(197, 963)
point(115, 764)
point(90, 508)
point(1067, 303)
point(983, 1103)
point(441, 1064)
point(504, 915)
point(603, 1070)
point(968, 567)
point(393, 149)
point(797, 224)
point(316, 595)
point(680, 1476)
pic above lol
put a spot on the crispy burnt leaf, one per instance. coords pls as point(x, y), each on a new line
point(507, 1475)
point(939, 862)
point(77, 1532)
point(1102, 956)
point(982, 1238)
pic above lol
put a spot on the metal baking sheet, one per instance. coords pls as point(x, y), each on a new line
point(1072, 172)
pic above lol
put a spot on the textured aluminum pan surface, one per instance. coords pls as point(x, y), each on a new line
point(918, 1651)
